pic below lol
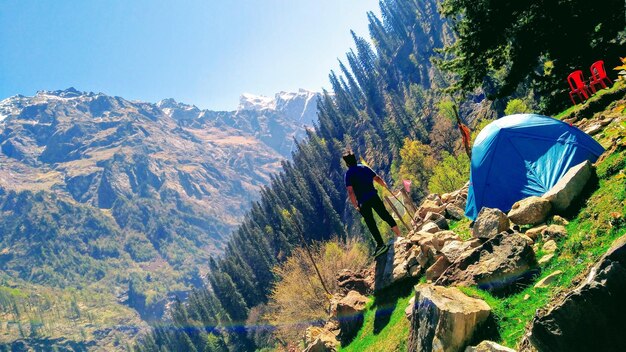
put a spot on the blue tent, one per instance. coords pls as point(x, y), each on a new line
point(523, 155)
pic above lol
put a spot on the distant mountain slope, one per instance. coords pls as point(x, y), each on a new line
point(126, 198)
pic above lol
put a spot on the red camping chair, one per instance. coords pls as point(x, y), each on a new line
point(598, 75)
point(577, 85)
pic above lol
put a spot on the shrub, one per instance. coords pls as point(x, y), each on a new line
point(516, 106)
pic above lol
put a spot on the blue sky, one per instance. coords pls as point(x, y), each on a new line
point(203, 52)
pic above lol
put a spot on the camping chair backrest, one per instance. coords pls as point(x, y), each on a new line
point(597, 70)
point(576, 80)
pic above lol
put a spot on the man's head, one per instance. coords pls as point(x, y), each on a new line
point(349, 158)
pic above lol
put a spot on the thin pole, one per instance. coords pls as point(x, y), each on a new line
point(308, 251)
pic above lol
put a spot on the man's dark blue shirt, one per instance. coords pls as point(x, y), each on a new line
point(361, 178)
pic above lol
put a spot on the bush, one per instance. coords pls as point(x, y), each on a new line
point(449, 175)
point(298, 298)
point(516, 106)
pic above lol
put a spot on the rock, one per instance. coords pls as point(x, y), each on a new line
point(495, 266)
point(535, 232)
point(445, 319)
point(435, 270)
point(489, 223)
point(489, 346)
point(320, 340)
point(593, 129)
point(546, 281)
point(526, 238)
point(415, 270)
point(430, 227)
point(350, 313)
point(392, 266)
point(590, 317)
point(442, 237)
point(431, 206)
point(452, 250)
point(553, 232)
point(454, 212)
point(361, 281)
point(408, 311)
point(526, 297)
point(530, 211)
point(546, 258)
point(559, 220)
point(549, 247)
point(569, 187)
point(438, 219)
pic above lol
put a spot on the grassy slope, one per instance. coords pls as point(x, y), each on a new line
point(590, 233)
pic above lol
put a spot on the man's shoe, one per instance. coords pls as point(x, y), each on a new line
point(380, 250)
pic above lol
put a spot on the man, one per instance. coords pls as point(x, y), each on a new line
point(363, 196)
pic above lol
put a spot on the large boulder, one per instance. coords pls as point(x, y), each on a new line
point(396, 264)
point(530, 211)
point(490, 222)
point(454, 212)
point(495, 266)
point(569, 187)
point(445, 319)
point(590, 317)
point(350, 314)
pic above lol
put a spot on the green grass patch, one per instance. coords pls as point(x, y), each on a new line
point(462, 228)
point(392, 337)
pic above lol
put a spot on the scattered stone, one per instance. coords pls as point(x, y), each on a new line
point(559, 220)
point(526, 297)
point(549, 247)
point(590, 317)
point(445, 319)
point(546, 281)
point(430, 227)
point(569, 186)
point(442, 237)
point(546, 258)
point(438, 219)
point(489, 223)
point(431, 206)
point(320, 340)
point(553, 232)
point(526, 238)
point(435, 270)
point(454, 212)
point(535, 232)
point(530, 211)
point(415, 270)
point(489, 346)
point(593, 129)
point(495, 266)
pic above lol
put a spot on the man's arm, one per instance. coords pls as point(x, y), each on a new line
point(352, 198)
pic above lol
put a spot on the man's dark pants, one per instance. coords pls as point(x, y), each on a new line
point(375, 203)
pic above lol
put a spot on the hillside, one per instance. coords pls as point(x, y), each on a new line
point(112, 200)
point(589, 233)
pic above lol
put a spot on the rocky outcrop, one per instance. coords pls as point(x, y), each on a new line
point(320, 339)
point(445, 319)
point(569, 187)
point(589, 318)
point(361, 281)
point(489, 223)
point(397, 264)
point(496, 265)
point(530, 211)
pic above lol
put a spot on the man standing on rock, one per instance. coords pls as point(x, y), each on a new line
point(360, 185)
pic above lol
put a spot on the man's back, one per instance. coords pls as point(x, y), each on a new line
point(360, 177)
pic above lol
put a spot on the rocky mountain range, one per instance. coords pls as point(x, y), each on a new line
point(126, 201)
